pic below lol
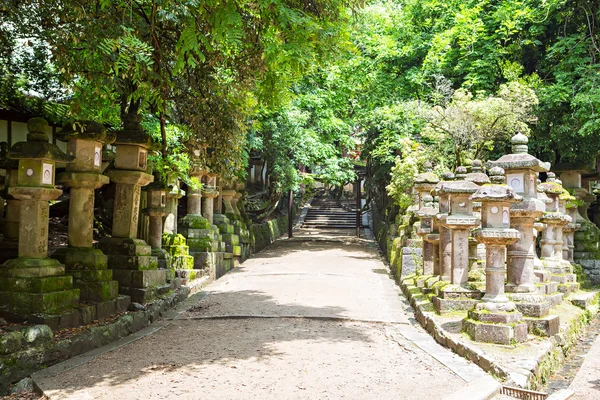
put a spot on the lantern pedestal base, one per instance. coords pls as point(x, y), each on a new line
point(135, 268)
point(495, 327)
point(89, 269)
point(30, 286)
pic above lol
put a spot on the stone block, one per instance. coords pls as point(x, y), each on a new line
point(195, 221)
point(97, 291)
point(32, 268)
point(558, 278)
point(237, 251)
point(443, 306)
point(495, 317)
point(496, 333)
point(584, 300)
point(546, 326)
point(226, 229)
point(36, 285)
point(555, 299)
point(542, 275)
point(87, 314)
point(140, 295)
point(537, 310)
point(231, 239)
point(102, 275)
point(69, 319)
point(52, 303)
point(148, 262)
point(106, 309)
point(124, 246)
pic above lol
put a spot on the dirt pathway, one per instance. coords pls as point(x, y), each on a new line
point(302, 320)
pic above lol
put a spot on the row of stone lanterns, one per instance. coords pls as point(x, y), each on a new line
point(511, 208)
point(123, 268)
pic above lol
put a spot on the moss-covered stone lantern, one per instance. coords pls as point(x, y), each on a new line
point(131, 258)
point(34, 283)
point(209, 193)
point(495, 319)
point(87, 265)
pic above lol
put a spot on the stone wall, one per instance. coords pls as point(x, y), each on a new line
point(398, 242)
point(266, 233)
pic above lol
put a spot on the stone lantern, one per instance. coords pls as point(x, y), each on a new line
point(554, 221)
point(426, 214)
point(228, 193)
point(88, 266)
point(570, 228)
point(495, 319)
point(156, 210)
point(33, 283)
point(209, 193)
point(457, 223)
point(460, 220)
point(539, 226)
point(173, 195)
point(235, 200)
point(194, 196)
point(425, 182)
point(521, 169)
point(131, 258)
point(571, 177)
point(445, 237)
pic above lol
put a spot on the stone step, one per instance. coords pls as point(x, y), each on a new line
point(584, 300)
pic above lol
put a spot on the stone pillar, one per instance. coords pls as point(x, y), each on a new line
point(521, 169)
point(173, 196)
point(555, 220)
point(495, 318)
point(131, 258)
point(478, 177)
point(194, 203)
point(157, 209)
point(218, 204)
point(33, 283)
point(539, 227)
point(445, 237)
point(88, 266)
point(209, 193)
point(228, 194)
point(426, 214)
point(459, 221)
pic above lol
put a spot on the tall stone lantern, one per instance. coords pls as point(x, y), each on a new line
point(33, 283)
point(131, 258)
point(426, 214)
point(459, 221)
point(194, 196)
point(228, 193)
point(209, 193)
point(445, 237)
point(554, 221)
point(521, 169)
point(173, 195)
point(495, 319)
point(425, 182)
point(88, 266)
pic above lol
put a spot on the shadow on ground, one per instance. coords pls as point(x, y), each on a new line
point(195, 341)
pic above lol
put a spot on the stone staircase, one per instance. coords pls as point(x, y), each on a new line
point(327, 213)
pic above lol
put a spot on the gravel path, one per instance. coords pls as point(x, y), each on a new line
point(302, 320)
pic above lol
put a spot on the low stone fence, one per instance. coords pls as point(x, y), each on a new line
point(267, 232)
